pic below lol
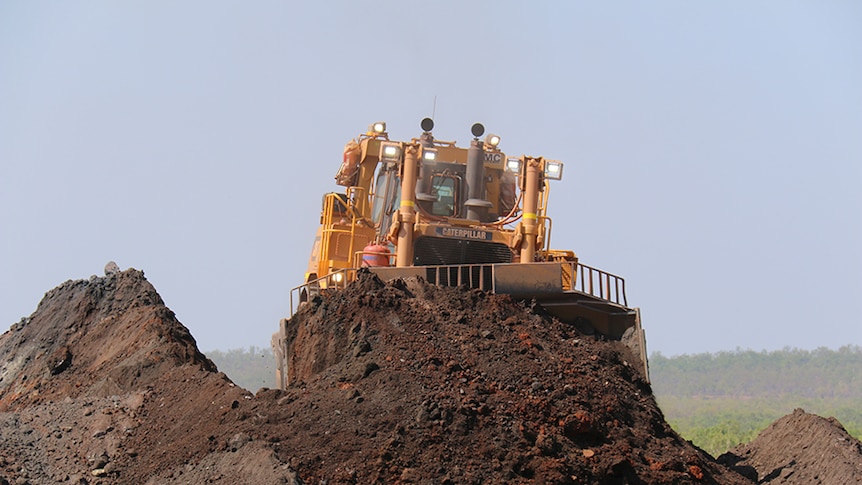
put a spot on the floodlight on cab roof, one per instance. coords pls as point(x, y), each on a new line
point(492, 140)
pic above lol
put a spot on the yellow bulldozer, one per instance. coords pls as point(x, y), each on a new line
point(455, 216)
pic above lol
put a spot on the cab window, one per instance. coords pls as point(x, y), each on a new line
point(445, 188)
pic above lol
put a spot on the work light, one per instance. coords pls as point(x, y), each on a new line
point(429, 155)
point(390, 152)
point(513, 165)
point(554, 169)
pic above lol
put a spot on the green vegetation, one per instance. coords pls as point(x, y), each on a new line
point(715, 400)
point(721, 400)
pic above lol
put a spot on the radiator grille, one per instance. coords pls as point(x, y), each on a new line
point(431, 251)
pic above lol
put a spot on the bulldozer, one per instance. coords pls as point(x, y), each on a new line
point(456, 216)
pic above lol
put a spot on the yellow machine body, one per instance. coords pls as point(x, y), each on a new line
point(456, 216)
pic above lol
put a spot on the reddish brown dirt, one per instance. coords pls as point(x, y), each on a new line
point(103, 385)
point(415, 382)
point(392, 383)
point(800, 449)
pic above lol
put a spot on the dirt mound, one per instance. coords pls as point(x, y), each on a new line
point(410, 380)
point(103, 385)
point(802, 449)
point(401, 382)
point(93, 338)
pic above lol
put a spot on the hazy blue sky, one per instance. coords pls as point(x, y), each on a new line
point(713, 150)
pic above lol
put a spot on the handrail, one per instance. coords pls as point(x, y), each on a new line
point(588, 280)
point(600, 284)
point(329, 281)
point(352, 215)
point(545, 225)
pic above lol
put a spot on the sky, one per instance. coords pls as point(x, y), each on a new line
point(713, 150)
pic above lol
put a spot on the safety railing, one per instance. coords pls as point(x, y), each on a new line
point(337, 280)
point(339, 212)
point(585, 279)
point(576, 276)
point(598, 283)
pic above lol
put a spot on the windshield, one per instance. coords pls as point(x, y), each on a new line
point(445, 188)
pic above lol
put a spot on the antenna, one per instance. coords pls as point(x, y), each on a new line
point(434, 108)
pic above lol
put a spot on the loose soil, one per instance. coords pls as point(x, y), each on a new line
point(800, 449)
point(398, 382)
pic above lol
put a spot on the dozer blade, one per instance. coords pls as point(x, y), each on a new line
point(528, 280)
point(571, 292)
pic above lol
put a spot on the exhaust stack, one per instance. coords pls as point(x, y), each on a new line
point(476, 206)
point(423, 194)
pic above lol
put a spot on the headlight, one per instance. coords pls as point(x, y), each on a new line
point(338, 277)
point(554, 169)
point(390, 152)
point(429, 155)
point(513, 165)
point(378, 127)
point(492, 140)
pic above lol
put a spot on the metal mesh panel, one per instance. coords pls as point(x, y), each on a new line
point(429, 251)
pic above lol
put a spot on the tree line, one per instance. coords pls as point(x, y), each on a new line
point(251, 368)
point(724, 399)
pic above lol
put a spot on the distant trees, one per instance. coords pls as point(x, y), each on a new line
point(251, 368)
point(816, 374)
point(720, 400)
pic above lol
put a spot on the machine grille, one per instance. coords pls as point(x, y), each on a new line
point(430, 251)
